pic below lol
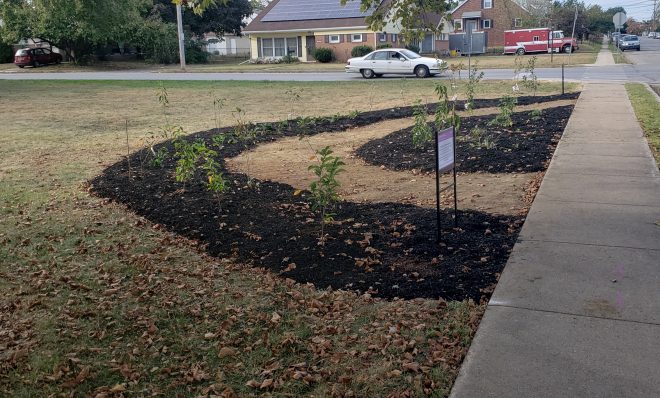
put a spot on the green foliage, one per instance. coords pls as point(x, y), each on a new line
point(190, 155)
point(324, 189)
point(221, 18)
point(384, 45)
point(6, 53)
point(289, 59)
point(78, 27)
point(421, 132)
point(474, 78)
point(194, 52)
point(507, 106)
point(158, 156)
point(411, 15)
point(353, 114)
point(323, 54)
point(536, 114)
point(479, 138)
point(361, 51)
point(413, 48)
point(445, 116)
point(530, 80)
point(158, 41)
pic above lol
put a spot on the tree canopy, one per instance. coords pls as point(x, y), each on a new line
point(219, 18)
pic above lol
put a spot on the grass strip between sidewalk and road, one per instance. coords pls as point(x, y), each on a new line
point(647, 109)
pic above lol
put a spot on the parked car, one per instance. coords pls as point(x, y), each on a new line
point(651, 35)
point(629, 42)
point(395, 61)
point(36, 57)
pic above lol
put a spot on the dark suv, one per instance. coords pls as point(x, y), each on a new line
point(36, 57)
point(629, 42)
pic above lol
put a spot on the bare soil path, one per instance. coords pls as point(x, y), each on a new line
point(287, 161)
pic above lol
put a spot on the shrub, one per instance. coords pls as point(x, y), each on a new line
point(323, 54)
point(507, 106)
point(158, 41)
point(194, 53)
point(413, 48)
point(289, 59)
point(324, 189)
point(385, 45)
point(361, 51)
point(6, 53)
point(421, 132)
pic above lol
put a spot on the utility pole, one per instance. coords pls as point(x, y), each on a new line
point(182, 44)
point(573, 34)
point(654, 25)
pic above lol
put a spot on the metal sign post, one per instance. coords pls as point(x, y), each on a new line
point(445, 160)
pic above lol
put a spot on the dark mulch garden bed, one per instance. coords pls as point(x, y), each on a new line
point(527, 146)
point(388, 250)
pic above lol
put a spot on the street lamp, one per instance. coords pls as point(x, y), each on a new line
point(182, 44)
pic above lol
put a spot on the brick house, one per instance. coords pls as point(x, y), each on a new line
point(490, 16)
point(297, 27)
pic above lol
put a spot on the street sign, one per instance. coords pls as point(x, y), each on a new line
point(619, 19)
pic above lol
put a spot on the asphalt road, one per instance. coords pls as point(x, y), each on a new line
point(646, 69)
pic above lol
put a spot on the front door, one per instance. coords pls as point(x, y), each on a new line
point(311, 45)
point(471, 25)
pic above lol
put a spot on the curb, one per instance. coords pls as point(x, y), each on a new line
point(648, 87)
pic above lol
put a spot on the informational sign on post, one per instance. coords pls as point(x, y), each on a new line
point(446, 150)
point(445, 159)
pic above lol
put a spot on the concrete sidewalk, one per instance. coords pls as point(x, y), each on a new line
point(605, 57)
point(577, 310)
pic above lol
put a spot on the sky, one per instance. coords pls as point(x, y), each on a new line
point(638, 9)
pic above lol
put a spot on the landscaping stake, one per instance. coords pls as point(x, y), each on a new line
point(437, 191)
point(562, 79)
point(128, 153)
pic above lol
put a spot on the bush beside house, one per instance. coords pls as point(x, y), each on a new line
point(323, 54)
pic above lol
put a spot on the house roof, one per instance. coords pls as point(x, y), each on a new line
point(462, 3)
point(308, 15)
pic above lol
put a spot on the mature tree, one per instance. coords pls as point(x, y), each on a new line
point(562, 16)
point(77, 27)
point(413, 16)
point(221, 18)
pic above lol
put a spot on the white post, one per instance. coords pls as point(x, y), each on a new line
point(182, 44)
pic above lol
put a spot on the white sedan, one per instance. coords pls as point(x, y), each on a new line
point(395, 61)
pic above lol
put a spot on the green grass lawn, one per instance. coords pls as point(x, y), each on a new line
point(647, 109)
point(96, 301)
point(619, 56)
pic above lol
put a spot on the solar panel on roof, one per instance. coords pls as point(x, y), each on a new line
point(302, 10)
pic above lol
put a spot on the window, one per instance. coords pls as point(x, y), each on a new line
point(333, 39)
point(356, 38)
point(279, 47)
point(382, 37)
point(517, 22)
point(488, 3)
point(267, 47)
point(395, 37)
point(444, 36)
point(458, 24)
point(292, 46)
point(536, 38)
point(381, 56)
point(487, 23)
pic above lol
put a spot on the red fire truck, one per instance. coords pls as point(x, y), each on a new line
point(537, 40)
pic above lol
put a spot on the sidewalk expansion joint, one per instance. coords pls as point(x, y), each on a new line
point(574, 314)
point(586, 244)
point(651, 175)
